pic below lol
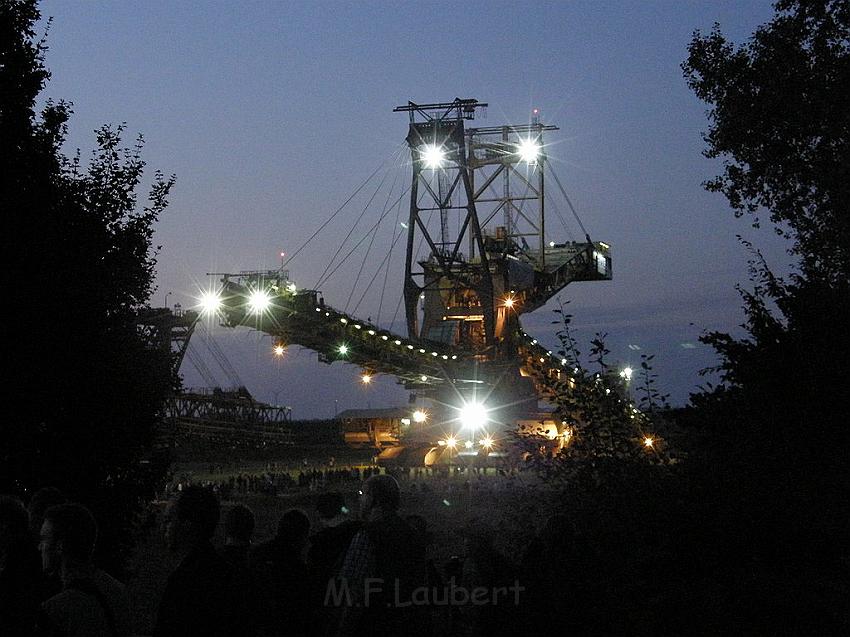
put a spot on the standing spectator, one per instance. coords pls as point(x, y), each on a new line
point(20, 570)
point(279, 586)
point(383, 565)
point(492, 570)
point(40, 501)
point(330, 542)
point(197, 598)
point(238, 531)
point(328, 547)
point(91, 603)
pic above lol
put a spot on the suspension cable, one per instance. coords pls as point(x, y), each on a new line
point(377, 272)
point(569, 203)
point(322, 278)
point(415, 257)
point(219, 357)
point(387, 269)
point(338, 210)
point(369, 247)
point(554, 205)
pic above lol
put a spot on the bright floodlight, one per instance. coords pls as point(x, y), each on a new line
point(279, 350)
point(626, 373)
point(509, 302)
point(432, 156)
point(366, 379)
point(648, 442)
point(473, 416)
point(342, 349)
point(528, 151)
point(259, 301)
point(487, 442)
point(419, 416)
point(210, 302)
point(451, 443)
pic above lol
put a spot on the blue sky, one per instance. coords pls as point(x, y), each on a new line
point(272, 113)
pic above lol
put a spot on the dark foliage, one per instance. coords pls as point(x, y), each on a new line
point(775, 434)
point(749, 534)
point(601, 419)
point(780, 120)
point(84, 390)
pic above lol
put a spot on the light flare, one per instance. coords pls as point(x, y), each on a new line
point(473, 416)
point(209, 303)
point(432, 156)
point(259, 301)
point(528, 150)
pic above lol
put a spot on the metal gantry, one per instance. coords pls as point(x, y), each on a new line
point(475, 282)
point(488, 261)
point(168, 330)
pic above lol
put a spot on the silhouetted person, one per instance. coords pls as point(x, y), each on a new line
point(327, 550)
point(384, 564)
point(91, 603)
point(279, 589)
point(438, 618)
point(551, 570)
point(331, 541)
point(197, 598)
point(426, 538)
point(20, 570)
point(238, 531)
point(494, 571)
point(40, 501)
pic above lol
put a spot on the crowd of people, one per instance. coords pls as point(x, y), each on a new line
point(274, 480)
point(347, 575)
point(234, 482)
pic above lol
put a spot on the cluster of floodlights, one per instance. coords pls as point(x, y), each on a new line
point(258, 301)
point(451, 442)
point(434, 156)
point(471, 416)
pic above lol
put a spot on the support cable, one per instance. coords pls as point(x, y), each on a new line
point(569, 202)
point(220, 358)
point(552, 204)
point(356, 245)
point(397, 308)
point(416, 257)
point(387, 269)
point(369, 247)
point(338, 210)
point(323, 278)
point(201, 367)
point(377, 272)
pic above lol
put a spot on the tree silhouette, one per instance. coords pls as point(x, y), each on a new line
point(775, 459)
point(85, 390)
point(779, 119)
point(651, 398)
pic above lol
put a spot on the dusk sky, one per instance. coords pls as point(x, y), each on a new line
point(271, 114)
